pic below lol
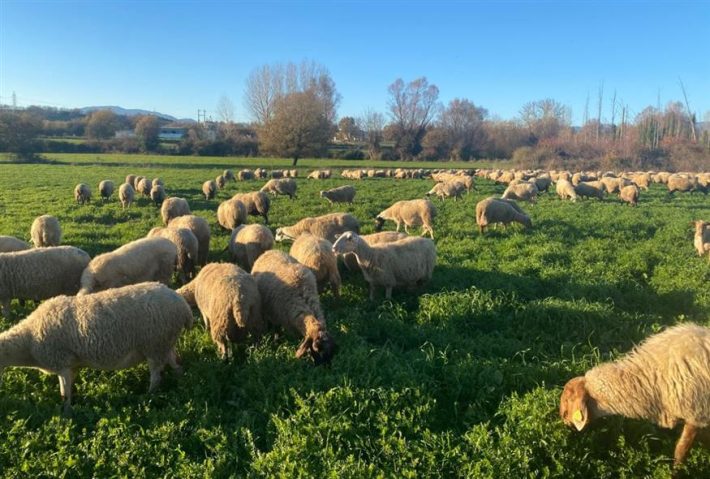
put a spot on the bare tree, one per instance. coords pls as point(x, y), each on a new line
point(412, 107)
point(264, 86)
point(691, 116)
point(462, 125)
point(372, 124)
point(545, 118)
point(599, 109)
point(225, 109)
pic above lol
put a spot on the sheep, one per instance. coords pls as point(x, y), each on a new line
point(665, 380)
point(701, 240)
point(543, 183)
point(187, 247)
point(494, 210)
point(341, 194)
point(82, 193)
point(277, 174)
point(46, 231)
point(106, 189)
point(451, 189)
point(326, 227)
point(409, 261)
point(245, 175)
point(40, 273)
point(613, 184)
point(229, 301)
point(114, 329)
point(261, 173)
point(144, 187)
point(146, 259)
point(317, 255)
point(294, 173)
point(126, 194)
point(565, 190)
point(228, 175)
point(172, 208)
point(200, 228)
point(256, 203)
point(289, 298)
point(372, 239)
point(585, 190)
point(319, 174)
point(630, 194)
point(157, 194)
point(642, 180)
point(248, 242)
point(409, 213)
point(130, 179)
point(220, 182)
point(136, 181)
point(681, 183)
point(158, 181)
point(522, 192)
point(283, 186)
point(8, 244)
point(209, 189)
point(231, 213)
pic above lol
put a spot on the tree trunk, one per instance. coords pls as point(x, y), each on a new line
point(295, 160)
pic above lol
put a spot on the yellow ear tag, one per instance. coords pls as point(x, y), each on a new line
point(577, 416)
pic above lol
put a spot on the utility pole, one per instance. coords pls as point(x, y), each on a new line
point(14, 101)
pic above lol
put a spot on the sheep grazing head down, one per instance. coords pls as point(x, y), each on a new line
point(282, 236)
point(379, 223)
point(346, 243)
point(321, 348)
point(576, 404)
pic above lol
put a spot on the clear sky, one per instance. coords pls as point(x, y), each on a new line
point(177, 56)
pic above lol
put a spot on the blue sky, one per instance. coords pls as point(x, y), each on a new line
point(178, 56)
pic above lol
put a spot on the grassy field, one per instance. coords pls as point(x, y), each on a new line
point(460, 379)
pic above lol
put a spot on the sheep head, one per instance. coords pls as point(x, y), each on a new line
point(346, 243)
point(321, 348)
point(282, 235)
point(379, 223)
point(574, 403)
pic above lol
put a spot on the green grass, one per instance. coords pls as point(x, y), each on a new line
point(459, 379)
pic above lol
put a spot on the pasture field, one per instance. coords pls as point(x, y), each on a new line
point(459, 379)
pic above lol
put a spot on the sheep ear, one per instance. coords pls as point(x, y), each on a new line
point(304, 347)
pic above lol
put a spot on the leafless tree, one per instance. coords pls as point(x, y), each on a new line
point(225, 109)
point(545, 118)
point(412, 107)
point(372, 123)
point(462, 125)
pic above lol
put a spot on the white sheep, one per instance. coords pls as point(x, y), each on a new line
point(245, 175)
point(586, 190)
point(144, 187)
point(157, 194)
point(136, 182)
point(106, 189)
point(289, 299)
point(126, 193)
point(130, 179)
point(498, 210)
point(372, 239)
point(228, 175)
point(229, 301)
point(40, 273)
point(450, 189)
point(187, 249)
point(409, 213)
point(209, 189)
point(325, 226)
point(409, 261)
point(146, 259)
point(172, 208)
point(629, 194)
point(341, 194)
point(231, 213)
point(115, 329)
point(665, 380)
point(8, 244)
point(565, 189)
point(201, 229)
point(282, 186)
point(220, 182)
point(317, 255)
point(524, 191)
point(701, 239)
point(257, 203)
point(46, 231)
point(248, 242)
point(82, 193)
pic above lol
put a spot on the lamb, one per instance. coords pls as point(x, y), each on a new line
point(665, 380)
point(187, 247)
point(157, 194)
point(256, 203)
point(209, 189)
point(372, 239)
point(40, 273)
point(200, 228)
point(144, 187)
point(493, 210)
point(565, 190)
point(228, 175)
point(586, 190)
point(409, 213)
point(248, 242)
point(45, 231)
point(289, 298)
point(317, 255)
point(8, 244)
point(126, 194)
point(245, 175)
point(220, 182)
point(451, 189)
point(114, 329)
point(283, 186)
point(82, 193)
point(630, 194)
point(701, 240)
point(341, 194)
point(406, 262)
point(522, 192)
point(229, 301)
point(172, 208)
point(106, 189)
point(146, 259)
point(231, 213)
point(326, 227)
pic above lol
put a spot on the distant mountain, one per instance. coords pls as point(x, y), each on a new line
point(127, 112)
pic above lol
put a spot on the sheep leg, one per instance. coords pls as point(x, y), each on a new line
point(174, 361)
point(406, 229)
point(156, 368)
point(684, 444)
point(372, 291)
point(66, 382)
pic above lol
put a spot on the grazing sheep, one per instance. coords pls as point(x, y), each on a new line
point(157, 194)
point(229, 301)
point(630, 194)
point(494, 210)
point(46, 231)
point(372, 239)
point(452, 189)
point(82, 193)
point(172, 208)
point(665, 380)
point(543, 183)
point(522, 192)
point(220, 182)
point(341, 194)
point(130, 179)
point(277, 174)
point(228, 175)
point(256, 203)
point(115, 329)
point(319, 174)
point(136, 181)
point(231, 213)
point(126, 193)
point(294, 173)
point(187, 247)
point(642, 180)
point(158, 181)
point(701, 240)
point(40, 273)
point(283, 186)
point(245, 175)
point(106, 189)
point(289, 298)
point(146, 259)
point(8, 244)
point(248, 242)
point(585, 190)
point(565, 190)
point(409, 261)
point(613, 184)
point(209, 189)
point(326, 227)
point(200, 228)
point(144, 187)
point(261, 173)
point(317, 255)
point(409, 213)
point(681, 183)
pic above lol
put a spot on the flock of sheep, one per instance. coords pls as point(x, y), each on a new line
point(116, 310)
